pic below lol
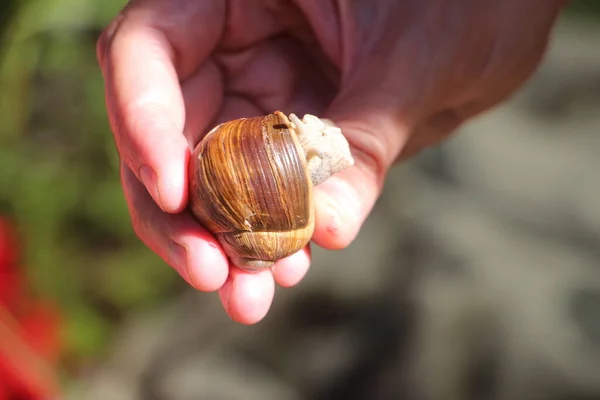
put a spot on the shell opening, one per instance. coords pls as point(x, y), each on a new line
point(326, 149)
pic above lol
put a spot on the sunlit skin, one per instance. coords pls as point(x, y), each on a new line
point(396, 76)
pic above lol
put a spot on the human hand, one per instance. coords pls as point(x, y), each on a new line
point(395, 76)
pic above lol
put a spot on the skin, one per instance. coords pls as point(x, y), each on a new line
point(396, 76)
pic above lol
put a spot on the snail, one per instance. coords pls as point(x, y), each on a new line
point(252, 179)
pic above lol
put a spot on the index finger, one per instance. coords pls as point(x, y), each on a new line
point(143, 59)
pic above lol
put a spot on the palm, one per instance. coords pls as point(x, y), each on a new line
point(240, 80)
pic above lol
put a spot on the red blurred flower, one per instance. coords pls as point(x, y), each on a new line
point(10, 284)
point(29, 331)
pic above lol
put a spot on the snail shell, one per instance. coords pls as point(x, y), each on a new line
point(251, 183)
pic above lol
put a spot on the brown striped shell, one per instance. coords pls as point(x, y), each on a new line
point(251, 186)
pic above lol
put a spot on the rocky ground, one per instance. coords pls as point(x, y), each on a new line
point(477, 277)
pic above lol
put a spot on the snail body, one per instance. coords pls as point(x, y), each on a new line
point(252, 179)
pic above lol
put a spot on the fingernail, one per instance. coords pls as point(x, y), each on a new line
point(148, 177)
point(178, 260)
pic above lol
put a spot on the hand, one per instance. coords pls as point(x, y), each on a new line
point(396, 76)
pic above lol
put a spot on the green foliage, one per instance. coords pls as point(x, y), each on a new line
point(59, 177)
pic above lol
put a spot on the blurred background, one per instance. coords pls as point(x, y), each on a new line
point(476, 277)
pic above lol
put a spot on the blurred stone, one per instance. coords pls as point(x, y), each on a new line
point(222, 375)
point(584, 309)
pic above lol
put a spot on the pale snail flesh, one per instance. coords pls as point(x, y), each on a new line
point(251, 183)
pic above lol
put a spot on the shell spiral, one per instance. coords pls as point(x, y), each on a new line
point(250, 186)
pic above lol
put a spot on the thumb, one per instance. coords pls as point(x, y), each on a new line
point(376, 133)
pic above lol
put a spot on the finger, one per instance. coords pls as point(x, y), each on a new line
point(176, 238)
point(146, 111)
point(143, 57)
point(344, 201)
point(291, 270)
point(203, 97)
point(247, 296)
